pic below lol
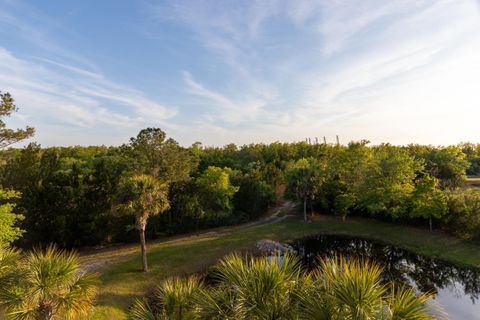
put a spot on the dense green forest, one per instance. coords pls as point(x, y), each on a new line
point(71, 195)
point(87, 196)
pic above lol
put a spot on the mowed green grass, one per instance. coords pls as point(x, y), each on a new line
point(123, 282)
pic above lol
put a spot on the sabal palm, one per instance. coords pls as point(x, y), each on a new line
point(174, 299)
point(8, 262)
point(277, 288)
point(263, 288)
point(46, 284)
point(144, 196)
point(352, 289)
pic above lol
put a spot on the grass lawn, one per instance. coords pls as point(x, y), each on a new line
point(122, 282)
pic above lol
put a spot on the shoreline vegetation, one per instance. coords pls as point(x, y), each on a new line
point(193, 254)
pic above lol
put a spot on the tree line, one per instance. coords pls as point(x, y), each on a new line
point(87, 196)
point(69, 195)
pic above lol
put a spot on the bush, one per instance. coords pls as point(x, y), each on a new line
point(463, 218)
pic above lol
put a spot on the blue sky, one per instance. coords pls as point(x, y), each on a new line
point(96, 72)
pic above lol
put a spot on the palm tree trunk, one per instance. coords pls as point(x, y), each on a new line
point(305, 209)
point(143, 246)
point(45, 312)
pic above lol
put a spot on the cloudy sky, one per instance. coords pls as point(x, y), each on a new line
point(96, 72)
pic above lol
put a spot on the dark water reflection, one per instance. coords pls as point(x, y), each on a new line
point(456, 288)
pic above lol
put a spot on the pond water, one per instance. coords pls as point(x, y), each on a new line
point(456, 288)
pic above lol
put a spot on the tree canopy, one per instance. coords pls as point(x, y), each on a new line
point(10, 136)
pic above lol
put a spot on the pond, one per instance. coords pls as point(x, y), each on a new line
point(455, 288)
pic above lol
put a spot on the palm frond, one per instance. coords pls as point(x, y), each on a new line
point(79, 296)
point(354, 285)
point(176, 296)
point(404, 303)
point(220, 303)
point(48, 281)
point(141, 310)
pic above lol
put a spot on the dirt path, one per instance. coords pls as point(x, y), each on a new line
point(95, 260)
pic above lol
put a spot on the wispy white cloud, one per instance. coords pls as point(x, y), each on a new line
point(226, 110)
point(71, 96)
point(58, 89)
point(336, 67)
point(264, 70)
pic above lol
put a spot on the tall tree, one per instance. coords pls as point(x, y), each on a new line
point(389, 181)
point(428, 201)
point(144, 196)
point(449, 165)
point(10, 136)
point(303, 179)
point(162, 158)
point(346, 173)
point(9, 220)
point(216, 191)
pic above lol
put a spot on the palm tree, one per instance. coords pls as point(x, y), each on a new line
point(352, 289)
point(144, 196)
point(45, 285)
point(176, 297)
point(277, 288)
point(303, 181)
point(261, 288)
point(8, 261)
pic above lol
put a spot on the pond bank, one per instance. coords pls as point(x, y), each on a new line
point(122, 282)
point(456, 289)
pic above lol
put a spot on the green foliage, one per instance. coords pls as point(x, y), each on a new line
point(9, 229)
point(406, 304)
point(216, 191)
point(63, 200)
point(68, 193)
point(346, 174)
point(262, 288)
point(10, 136)
point(153, 154)
point(464, 213)
point(174, 299)
point(388, 181)
point(8, 264)
point(143, 196)
point(277, 288)
point(254, 195)
point(353, 285)
point(449, 164)
point(44, 284)
point(304, 179)
point(141, 310)
point(472, 154)
point(427, 201)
